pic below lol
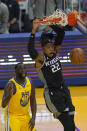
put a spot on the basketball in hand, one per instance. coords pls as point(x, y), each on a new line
point(77, 56)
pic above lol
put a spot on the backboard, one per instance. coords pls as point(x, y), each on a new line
point(81, 7)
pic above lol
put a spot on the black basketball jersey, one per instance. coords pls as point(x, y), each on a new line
point(51, 73)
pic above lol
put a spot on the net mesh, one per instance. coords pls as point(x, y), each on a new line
point(58, 17)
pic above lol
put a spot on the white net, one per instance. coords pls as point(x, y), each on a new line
point(57, 14)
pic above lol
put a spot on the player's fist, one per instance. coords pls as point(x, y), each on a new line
point(35, 25)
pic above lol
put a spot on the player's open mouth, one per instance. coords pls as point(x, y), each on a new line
point(51, 53)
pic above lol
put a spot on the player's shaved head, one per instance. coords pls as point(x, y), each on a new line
point(16, 66)
point(46, 38)
point(20, 70)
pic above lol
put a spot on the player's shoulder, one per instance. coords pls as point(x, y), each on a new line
point(29, 78)
point(40, 62)
point(12, 81)
point(10, 84)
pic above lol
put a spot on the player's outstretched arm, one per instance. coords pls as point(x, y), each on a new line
point(8, 92)
point(60, 33)
point(31, 47)
point(33, 107)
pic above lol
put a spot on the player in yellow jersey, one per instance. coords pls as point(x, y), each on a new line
point(18, 95)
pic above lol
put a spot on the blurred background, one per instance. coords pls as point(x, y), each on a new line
point(21, 13)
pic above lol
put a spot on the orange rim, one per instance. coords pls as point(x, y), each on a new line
point(72, 18)
point(46, 21)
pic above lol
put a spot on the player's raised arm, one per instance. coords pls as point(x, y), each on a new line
point(8, 92)
point(59, 35)
point(31, 46)
point(33, 107)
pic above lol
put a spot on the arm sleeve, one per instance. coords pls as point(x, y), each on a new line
point(31, 47)
point(60, 33)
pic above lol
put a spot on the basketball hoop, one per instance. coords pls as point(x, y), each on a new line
point(59, 17)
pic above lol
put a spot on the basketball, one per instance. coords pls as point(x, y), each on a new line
point(77, 56)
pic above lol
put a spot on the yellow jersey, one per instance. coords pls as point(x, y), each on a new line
point(19, 102)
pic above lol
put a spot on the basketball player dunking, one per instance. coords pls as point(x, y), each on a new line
point(48, 66)
point(17, 94)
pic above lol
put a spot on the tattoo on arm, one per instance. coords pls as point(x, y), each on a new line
point(9, 90)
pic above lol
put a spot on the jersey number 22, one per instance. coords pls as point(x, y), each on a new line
point(55, 67)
